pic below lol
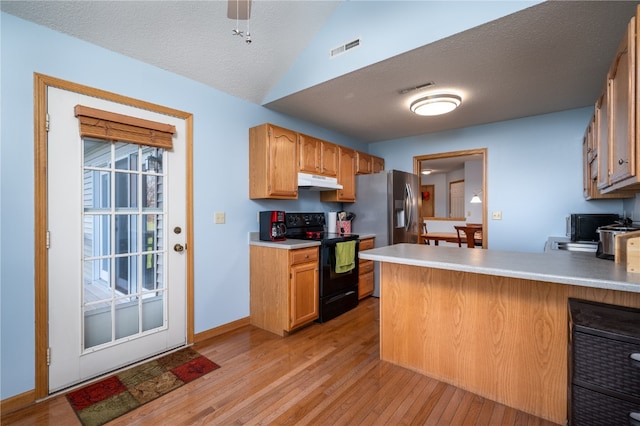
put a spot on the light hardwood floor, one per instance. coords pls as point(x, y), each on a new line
point(324, 374)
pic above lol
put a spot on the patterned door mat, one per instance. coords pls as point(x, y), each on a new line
point(103, 401)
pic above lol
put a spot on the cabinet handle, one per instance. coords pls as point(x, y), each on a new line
point(634, 419)
point(622, 161)
point(635, 359)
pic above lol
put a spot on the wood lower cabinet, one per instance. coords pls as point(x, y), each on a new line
point(365, 270)
point(273, 162)
point(284, 288)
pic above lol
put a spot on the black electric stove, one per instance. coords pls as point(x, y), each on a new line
point(338, 291)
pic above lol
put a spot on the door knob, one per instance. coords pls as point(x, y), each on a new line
point(179, 248)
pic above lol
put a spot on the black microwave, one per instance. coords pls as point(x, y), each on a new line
point(583, 226)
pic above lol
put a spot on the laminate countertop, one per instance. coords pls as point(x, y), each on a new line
point(563, 267)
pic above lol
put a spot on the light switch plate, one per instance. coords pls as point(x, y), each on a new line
point(496, 215)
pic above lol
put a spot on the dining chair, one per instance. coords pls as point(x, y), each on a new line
point(472, 235)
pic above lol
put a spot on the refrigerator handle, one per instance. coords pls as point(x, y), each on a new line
point(408, 203)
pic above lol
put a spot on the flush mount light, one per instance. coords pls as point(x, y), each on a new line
point(436, 104)
point(426, 172)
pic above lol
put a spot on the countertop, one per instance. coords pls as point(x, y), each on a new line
point(289, 244)
point(563, 267)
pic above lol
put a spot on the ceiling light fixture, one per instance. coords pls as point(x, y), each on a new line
point(426, 172)
point(436, 104)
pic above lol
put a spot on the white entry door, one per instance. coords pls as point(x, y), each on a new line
point(116, 265)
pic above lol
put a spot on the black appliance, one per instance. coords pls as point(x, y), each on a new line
point(583, 226)
point(338, 291)
point(272, 226)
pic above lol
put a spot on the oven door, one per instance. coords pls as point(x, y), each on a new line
point(332, 282)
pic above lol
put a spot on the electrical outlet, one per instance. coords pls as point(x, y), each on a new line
point(496, 215)
point(218, 217)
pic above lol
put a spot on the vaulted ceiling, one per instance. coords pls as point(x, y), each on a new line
point(549, 57)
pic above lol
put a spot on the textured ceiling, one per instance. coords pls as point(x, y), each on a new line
point(191, 38)
point(550, 57)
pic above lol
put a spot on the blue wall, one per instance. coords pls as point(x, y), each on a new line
point(220, 170)
point(534, 173)
point(534, 177)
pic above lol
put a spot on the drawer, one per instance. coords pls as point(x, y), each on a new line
point(365, 284)
point(590, 408)
point(303, 255)
point(606, 362)
point(365, 266)
point(366, 244)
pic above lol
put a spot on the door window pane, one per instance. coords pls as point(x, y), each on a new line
point(123, 226)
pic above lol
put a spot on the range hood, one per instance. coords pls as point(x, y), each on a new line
point(317, 182)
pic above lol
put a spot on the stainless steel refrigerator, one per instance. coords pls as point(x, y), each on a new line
point(386, 205)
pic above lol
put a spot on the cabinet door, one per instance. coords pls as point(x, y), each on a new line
point(622, 109)
point(309, 154)
point(303, 293)
point(588, 160)
point(329, 158)
point(378, 164)
point(283, 156)
point(601, 140)
point(347, 175)
point(364, 163)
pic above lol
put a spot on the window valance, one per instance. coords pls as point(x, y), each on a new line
point(111, 126)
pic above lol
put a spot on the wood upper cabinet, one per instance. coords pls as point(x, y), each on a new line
point(309, 151)
point(367, 163)
point(378, 164)
point(346, 177)
point(621, 88)
point(589, 157)
point(601, 139)
point(284, 288)
point(318, 156)
point(364, 163)
point(329, 157)
point(273, 162)
point(610, 145)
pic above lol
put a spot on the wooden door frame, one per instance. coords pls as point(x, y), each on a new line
point(482, 151)
point(41, 84)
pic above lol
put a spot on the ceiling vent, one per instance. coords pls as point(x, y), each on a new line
point(341, 49)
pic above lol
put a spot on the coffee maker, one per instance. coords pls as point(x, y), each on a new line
point(272, 227)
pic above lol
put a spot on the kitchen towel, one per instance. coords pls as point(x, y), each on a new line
point(333, 216)
point(345, 256)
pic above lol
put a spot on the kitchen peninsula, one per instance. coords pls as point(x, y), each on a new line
point(491, 322)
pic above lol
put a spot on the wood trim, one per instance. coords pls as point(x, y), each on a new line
point(225, 328)
point(41, 83)
point(96, 123)
point(40, 247)
point(17, 402)
point(484, 151)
